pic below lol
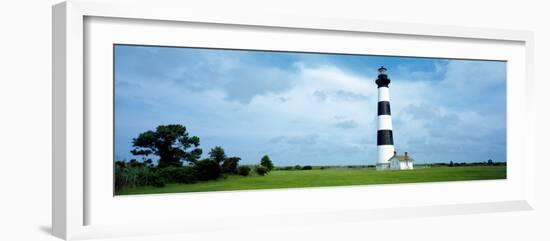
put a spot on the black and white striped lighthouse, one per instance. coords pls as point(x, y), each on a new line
point(384, 141)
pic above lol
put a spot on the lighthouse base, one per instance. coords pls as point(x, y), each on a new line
point(385, 153)
point(382, 166)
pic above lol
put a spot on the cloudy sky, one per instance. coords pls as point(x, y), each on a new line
point(316, 109)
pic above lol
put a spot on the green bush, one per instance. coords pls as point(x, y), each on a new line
point(157, 180)
point(230, 164)
point(261, 170)
point(297, 167)
point(207, 170)
point(187, 175)
point(133, 174)
point(119, 179)
point(171, 174)
point(307, 168)
point(243, 170)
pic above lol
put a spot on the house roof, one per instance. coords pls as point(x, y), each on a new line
point(403, 158)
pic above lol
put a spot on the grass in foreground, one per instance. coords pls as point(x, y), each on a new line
point(325, 178)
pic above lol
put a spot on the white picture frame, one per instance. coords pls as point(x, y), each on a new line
point(73, 188)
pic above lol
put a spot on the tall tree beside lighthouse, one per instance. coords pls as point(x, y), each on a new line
point(385, 135)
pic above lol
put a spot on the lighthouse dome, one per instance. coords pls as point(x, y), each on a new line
point(383, 80)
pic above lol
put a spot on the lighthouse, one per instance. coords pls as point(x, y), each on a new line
point(384, 141)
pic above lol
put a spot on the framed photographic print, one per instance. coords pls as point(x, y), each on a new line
point(321, 120)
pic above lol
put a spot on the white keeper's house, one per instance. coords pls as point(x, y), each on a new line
point(401, 162)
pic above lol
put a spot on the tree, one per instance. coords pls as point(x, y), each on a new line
point(230, 164)
point(148, 162)
point(261, 170)
point(217, 154)
point(490, 162)
point(170, 143)
point(267, 163)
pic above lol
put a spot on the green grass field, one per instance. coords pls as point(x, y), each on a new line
point(324, 178)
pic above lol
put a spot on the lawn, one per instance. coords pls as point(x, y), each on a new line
point(328, 177)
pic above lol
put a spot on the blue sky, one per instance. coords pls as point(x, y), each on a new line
point(311, 109)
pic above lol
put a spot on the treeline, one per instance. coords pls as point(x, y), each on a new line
point(179, 160)
point(308, 167)
point(297, 167)
point(460, 164)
